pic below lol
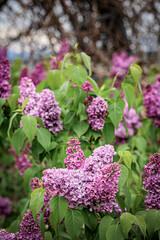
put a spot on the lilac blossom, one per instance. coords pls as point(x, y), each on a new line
point(24, 73)
point(75, 158)
point(97, 111)
point(27, 89)
point(133, 122)
point(4, 235)
point(5, 207)
point(152, 182)
point(39, 73)
point(152, 101)
point(5, 87)
point(93, 185)
point(3, 53)
point(121, 62)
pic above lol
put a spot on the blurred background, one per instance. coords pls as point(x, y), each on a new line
point(30, 28)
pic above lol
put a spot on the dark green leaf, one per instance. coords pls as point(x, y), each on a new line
point(69, 117)
point(114, 233)
point(116, 111)
point(80, 127)
point(44, 138)
point(104, 224)
point(18, 140)
point(108, 132)
point(138, 220)
point(129, 93)
point(29, 124)
point(123, 177)
point(126, 221)
point(36, 202)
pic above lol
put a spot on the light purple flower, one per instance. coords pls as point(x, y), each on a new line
point(4, 235)
point(39, 73)
point(5, 207)
point(3, 53)
point(5, 87)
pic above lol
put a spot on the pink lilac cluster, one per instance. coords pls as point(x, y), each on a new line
point(133, 122)
point(5, 207)
point(152, 101)
point(41, 105)
point(5, 87)
point(35, 183)
point(75, 158)
point(21, 162)
point(64, 49)
point(97, 111)
point(152, 182)
point(87, 87)
point(93, 185)
point(4, 235)
point(24, 73)
point(121, 62)
point(39, 73)
point(3, 53)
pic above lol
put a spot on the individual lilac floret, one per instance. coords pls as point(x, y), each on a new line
point(94, 185)
point(121, 62)
point(152, 182)
point(24, 73)
point(29, 229)
point(152, 101)
point(133, 122)
point(5, 87)
point(21, 162)
point(27, 89)
point(5, 207)
point(55, 63)
point(97, 111)
point(3, 53)
point(75, 158)
point(49, 111)
point(39, 73)
point(4, 235)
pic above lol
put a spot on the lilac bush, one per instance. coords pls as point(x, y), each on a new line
point(152, 101)
point(5, 87)
point(152, 182)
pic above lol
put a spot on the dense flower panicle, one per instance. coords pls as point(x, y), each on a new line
point(133, 122)
point(4, 235)
point(152, 101)
point(34, 183)
point(3, 53)
point(24, 73)
point(5, 87)
point(75, 158)
point(41, 105)
point(94, 184)
point(21, 162)
point(27, 89)
point(152, 182)
point(87, 87)
point(5, 207)
point(55, 63)
point(121, 62)
point(39, 73)
point(29, 229)
point(97, 111)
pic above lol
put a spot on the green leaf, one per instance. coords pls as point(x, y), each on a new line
point(116, 111)
point(136, 72)
point(58, 205)
point(73, 223)
point(87, 61)
point(123, 177)
point(106, 93)
point(94, 84)
point(129, 93)
point(78, 74)
point(114, 233)
point(104, 224)
point(36, 202)
point(126, 221)
point(44, 138)
point(138, 220)
point(153, 220)
point(108, 132)
point(41, 220)
point(126, 157)
point(141, 144)
point(55, 79)
point(90, 219)
point(18, 140)
point(41, 86)
point(10, 123)
point(64, 88)
point(40, 121)
point(29, 124)
point(13, 101)
point(24, 104)
point(48, 236)
point(14, 227)
point(69, 117)
point(80, 127)
point(52, 145)
point(128, 199)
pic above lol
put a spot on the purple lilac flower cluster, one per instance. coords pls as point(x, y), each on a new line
point(55, 63)
point(87, 87)
point(4, 235)
point(5, 207)
point(97, 111)
point(152, 101)
point(75, 158)
point(5, 87)
point(133, 122)
point(21, 162)
point(24, 73)
point(152, 182)
point(41, 105)
point(94, 184)
point(121, 62)
point(3, 53)
point(39, 73)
